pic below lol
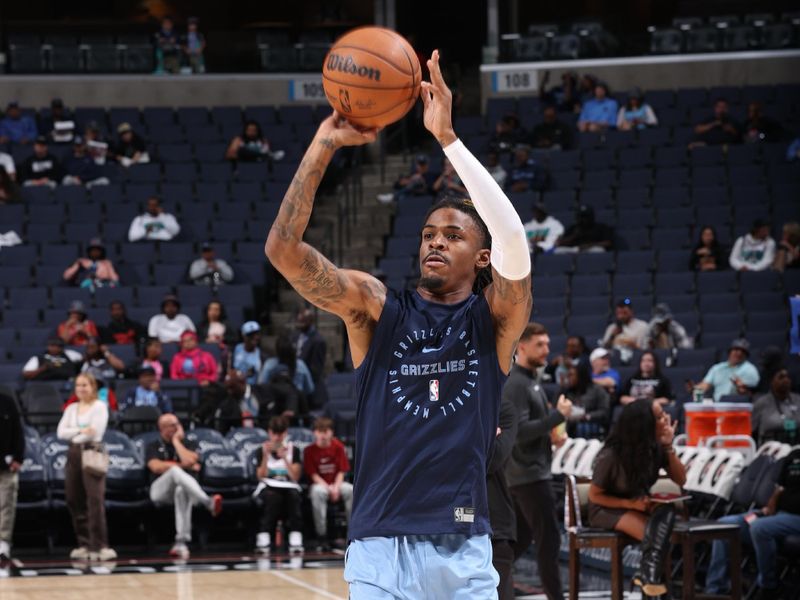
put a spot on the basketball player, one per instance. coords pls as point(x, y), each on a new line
point(429, 369)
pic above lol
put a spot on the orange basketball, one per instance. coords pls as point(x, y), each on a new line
point(371, 76)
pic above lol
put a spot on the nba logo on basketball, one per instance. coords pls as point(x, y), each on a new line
point(433, 390)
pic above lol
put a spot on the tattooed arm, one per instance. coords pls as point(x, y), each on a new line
point(356, 297)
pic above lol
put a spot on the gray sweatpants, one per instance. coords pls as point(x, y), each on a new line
point(9, 484)
point(176, 486)
point(319, 505)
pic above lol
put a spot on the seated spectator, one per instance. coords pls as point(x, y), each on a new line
point(81, 169)
point(664, 333)
point(638, 447)
point(12, 449)
point(101, 363)
point(591, 404)
point(78, 328)
point(16, 128)
point(793, 151)
point(647, 383)
point(526, 173)
point(8, 188)
point(508, 134)
point(121, 329)
point(215, 328)
point(565, 97)
point(152, 359)
point(96, 145)
point(707, 254)
point(41, 168)
point(542, 230)
point(146, 393)
point(551, 133)
point(93, 271)
point(248, 357)
point(636, 114)
point(194, 43)
point(602, 373)
point(787, 254)
point(279, 470)
point(170, 324)
point(168, 48)
point(448, 183)
point(210, 270)
point(7, 166)
point(626, 331)
point(130, 148)
point(718, 129)
point(575, 353)
point(763, 530)
point(174, 465)
point(736, 375)
point(192, 362)
point(54, 364)
point(418, 183)
point(251, 145)
point(495, 169)
point(286, 365)
point(586, 235)
point(59, 125)
point(754, 251)
point(154, 224)
point(239, 404)
point(776, 415)
point(325, 464)
point(758, 128)
point(599, 113)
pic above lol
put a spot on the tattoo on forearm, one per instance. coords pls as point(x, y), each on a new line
point(318, 280)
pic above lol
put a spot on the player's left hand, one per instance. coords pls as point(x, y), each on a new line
point(340, 132)
point(438, 102)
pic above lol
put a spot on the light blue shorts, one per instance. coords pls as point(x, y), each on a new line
point(421, 567)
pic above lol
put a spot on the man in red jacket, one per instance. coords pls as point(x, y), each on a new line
point(192, 362)
point(325, 463)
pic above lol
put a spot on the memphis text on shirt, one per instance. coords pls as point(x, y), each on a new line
point(425, 341)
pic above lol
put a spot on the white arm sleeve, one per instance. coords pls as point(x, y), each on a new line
point(510, 256)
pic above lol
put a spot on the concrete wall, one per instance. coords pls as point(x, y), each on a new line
point(649, 72)
point(151, 90)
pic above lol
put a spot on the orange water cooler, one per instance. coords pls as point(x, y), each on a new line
point(716, 418)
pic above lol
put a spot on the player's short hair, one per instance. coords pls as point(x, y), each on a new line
point(323, 424)
point(532, 329)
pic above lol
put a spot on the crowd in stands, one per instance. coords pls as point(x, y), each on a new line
point(176, 53)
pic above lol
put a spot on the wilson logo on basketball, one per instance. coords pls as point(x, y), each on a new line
point(346, 64)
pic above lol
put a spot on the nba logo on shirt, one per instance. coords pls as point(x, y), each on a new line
point(433, 390)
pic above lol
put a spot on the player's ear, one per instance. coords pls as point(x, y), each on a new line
point(483, 258)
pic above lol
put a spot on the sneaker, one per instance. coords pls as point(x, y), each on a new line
point(104, 555)
point(295, 542)
point(216, 504)
point(386, 198)
point(81, 553)
point(263, 542)
point(277, 155)
point(5, 551)
point(179, 550)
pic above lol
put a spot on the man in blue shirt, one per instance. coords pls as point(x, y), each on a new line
point(526, 174)
point(16, 127)
point(736, 375)
point(599, 113)
point(247, 355)
point(602, 373)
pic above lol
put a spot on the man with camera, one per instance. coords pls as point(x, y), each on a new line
point(719, 128)
point(279, 470)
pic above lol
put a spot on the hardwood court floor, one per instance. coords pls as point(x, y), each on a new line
point(305, 584)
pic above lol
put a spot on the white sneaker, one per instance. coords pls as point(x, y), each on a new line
point(386, 198)
point(5, 550)
point(263, 542)
point(104, 555)
point(295, 542)
point(81, 553)
point(179, 550)
point(277, 155)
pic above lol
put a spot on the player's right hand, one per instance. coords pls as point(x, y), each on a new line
point(340, 132)
point(564, 406)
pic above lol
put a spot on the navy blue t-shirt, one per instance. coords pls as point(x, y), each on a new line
point(428, 401)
